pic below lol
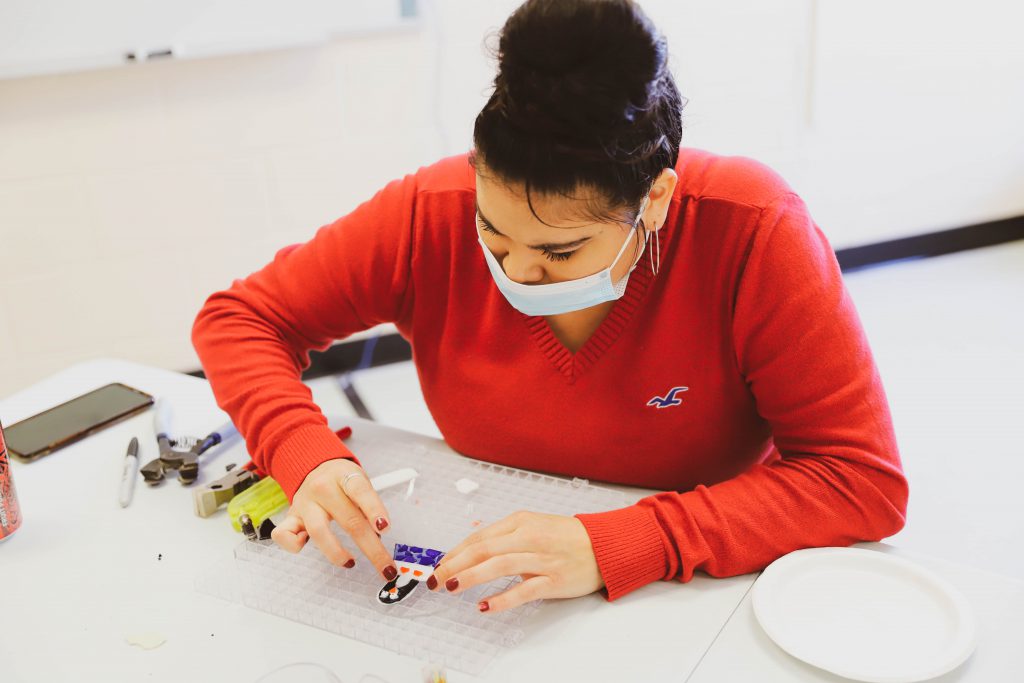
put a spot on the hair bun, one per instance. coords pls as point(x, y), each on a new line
point(583, 98)
point(579, 70)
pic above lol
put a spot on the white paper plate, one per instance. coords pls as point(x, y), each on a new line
point(864, 615)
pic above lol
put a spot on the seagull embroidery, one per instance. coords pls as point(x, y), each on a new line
point(669, 400)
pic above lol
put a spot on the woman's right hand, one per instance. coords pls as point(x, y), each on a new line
point(327, 493)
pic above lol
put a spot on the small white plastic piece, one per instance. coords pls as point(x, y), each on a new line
point(389, 479)
point(466, 486)
point(147, 641)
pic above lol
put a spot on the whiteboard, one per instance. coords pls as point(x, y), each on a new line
point(56, 36)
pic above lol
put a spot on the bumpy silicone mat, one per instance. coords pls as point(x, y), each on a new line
point(433, 626)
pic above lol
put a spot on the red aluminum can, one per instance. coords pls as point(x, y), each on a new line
point(10, 513)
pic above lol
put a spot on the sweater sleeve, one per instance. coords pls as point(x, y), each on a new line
point(834, 477)
point(253, 339)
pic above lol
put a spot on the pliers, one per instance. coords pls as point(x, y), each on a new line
point(185, 462)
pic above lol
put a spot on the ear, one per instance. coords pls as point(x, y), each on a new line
point(661, 195)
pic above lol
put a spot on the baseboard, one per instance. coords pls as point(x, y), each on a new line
point(392, 348)
point(931, 244)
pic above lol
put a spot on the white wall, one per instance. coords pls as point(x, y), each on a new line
point(890, 117)
point(128, 195)
point(917, 115)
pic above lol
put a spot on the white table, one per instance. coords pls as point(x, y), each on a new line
point(743, 652)
point(83, 574)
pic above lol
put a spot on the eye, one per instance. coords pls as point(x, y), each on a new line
point(486, 228)
point(549, 255)
point(558, 255)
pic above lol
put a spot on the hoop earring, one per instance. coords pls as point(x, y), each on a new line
point(657, 247)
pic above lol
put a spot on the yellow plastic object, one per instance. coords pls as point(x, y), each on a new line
point(260, 501)
point(432, 673)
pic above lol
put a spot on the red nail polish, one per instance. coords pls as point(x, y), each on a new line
point(432, 582)
point(452, 584)
point(381, 523)
point(350, 564)
point(390, 572)
point(484, 606)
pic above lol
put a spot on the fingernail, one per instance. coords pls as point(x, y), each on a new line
point(350, 564)
point(390, 572)
point(452, 583)
point(432, 582)
point(381, 523)
point(483, 606)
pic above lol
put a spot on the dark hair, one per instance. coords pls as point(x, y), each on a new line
point(583, 99)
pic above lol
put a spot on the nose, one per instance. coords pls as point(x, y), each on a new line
point(522, 269)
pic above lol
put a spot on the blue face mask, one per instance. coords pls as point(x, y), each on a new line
point(563, 297)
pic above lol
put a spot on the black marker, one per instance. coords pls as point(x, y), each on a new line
point(131, 466)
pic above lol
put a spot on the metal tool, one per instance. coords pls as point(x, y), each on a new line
point(186, 462)
point(252, 533)
point(207, 500)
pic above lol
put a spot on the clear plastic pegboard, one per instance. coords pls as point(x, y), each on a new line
point(429, 625)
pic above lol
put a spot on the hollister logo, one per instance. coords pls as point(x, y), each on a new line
point(670, 399)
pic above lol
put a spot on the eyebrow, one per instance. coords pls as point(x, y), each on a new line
point(549, 246)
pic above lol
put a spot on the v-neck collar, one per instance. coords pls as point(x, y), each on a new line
point(572, 365)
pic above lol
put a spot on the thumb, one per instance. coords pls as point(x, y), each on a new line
point(290, 534)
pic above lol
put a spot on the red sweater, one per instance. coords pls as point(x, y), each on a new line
point(781, 440)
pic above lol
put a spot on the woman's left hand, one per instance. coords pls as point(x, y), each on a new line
point(551, 553)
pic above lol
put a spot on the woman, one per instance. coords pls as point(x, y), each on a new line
point(582, 298)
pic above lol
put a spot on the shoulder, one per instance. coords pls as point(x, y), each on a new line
point(434, 200)
point(734, 210)
point(451, 174)
point(733, 179)
point(436, 193)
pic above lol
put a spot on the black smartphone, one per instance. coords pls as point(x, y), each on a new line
point(65, 424)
